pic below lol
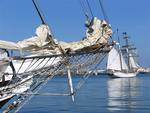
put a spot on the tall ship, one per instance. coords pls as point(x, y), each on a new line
point(122, 60)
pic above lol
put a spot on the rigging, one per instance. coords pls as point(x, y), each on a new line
point(39, 11)
point(84, 10)
point(89, 7)
point(103, 11)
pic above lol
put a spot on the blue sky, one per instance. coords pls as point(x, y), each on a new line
point(18, 20)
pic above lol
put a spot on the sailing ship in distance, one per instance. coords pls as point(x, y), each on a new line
point(121, 61)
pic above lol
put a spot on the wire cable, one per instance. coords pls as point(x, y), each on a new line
point(89, 7)
point(103, 11)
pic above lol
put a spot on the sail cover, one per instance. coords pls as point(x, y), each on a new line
point(42, 38)
point(113, 62)
point(98, 32)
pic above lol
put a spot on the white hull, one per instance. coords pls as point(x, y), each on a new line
point(124, 75)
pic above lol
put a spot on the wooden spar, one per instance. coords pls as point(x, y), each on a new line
point(70, 82)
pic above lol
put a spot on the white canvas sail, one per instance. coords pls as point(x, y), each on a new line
point(133, 63)
point(114, 61)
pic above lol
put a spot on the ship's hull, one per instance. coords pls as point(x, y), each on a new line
point(124, 74)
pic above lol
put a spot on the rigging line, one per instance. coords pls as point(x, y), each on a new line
point(39, 63)
point(86, 62)
point(51, 31)
point(41, 15)
point(103, 11)
point(9, 88)
point(46, 62)
point(44, 94)
point(86, 76)
point(90, 9)
point(38, 11)
point(29, 65)
point(21, 66)
point(85, 12)
point(44, 83)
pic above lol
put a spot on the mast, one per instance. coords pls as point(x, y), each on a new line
point(130, 52)
point(126, 46)
point(119, 50)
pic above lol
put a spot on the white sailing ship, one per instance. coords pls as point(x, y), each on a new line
point(118, 66)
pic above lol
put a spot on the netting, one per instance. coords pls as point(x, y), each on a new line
point(36, 71)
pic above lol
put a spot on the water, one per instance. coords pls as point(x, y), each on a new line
point(100, 94)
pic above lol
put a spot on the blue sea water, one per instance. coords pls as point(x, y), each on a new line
point(100, 94)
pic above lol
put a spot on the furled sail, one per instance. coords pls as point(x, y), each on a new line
point(98, 32)
point(42, 38)
point(114, 61)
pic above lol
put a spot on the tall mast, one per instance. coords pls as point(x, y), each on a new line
point(119, 50)
point(127, 48)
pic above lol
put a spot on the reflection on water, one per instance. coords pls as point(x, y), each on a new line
point(122, 93)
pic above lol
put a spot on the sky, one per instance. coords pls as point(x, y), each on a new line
point(19, 19)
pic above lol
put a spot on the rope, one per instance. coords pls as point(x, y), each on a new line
point(90, 9)
point(29, 65)
point(44, 94)
point(40, 80)
point(21, 66)
point(86, 76)
point(42, 16)
point(39, 87)
point(103, 11)
point(84, 10)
